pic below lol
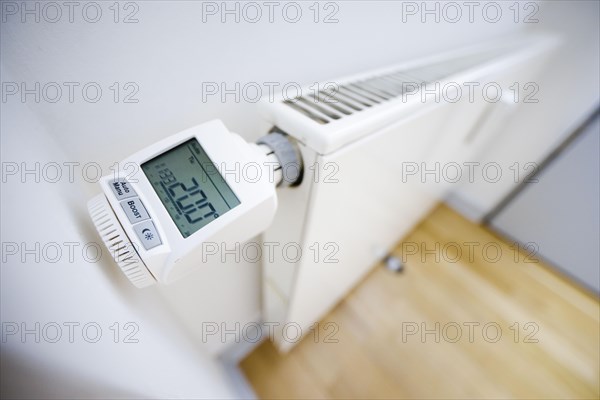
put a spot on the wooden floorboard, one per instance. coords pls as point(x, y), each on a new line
point(555, 356)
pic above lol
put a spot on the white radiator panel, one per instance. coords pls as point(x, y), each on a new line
point(356, 202)
point(350, 216)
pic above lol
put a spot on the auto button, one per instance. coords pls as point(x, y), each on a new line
point(121, 189)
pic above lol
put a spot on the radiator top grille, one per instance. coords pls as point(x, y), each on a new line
point(340, 100)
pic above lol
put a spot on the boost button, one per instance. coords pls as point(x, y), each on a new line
point(135, 210)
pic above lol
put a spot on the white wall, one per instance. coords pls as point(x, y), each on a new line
point(53, 288)
point(568, 91)
point(560, 212)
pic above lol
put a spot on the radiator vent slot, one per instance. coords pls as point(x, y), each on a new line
point(327, 106)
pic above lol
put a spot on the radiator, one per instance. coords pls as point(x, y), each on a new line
point(357, 136)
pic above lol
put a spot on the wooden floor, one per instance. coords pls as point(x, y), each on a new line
point(377, 355)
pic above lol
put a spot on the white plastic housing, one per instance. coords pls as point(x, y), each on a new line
point(177, 256)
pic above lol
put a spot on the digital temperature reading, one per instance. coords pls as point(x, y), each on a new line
point(190, 186)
